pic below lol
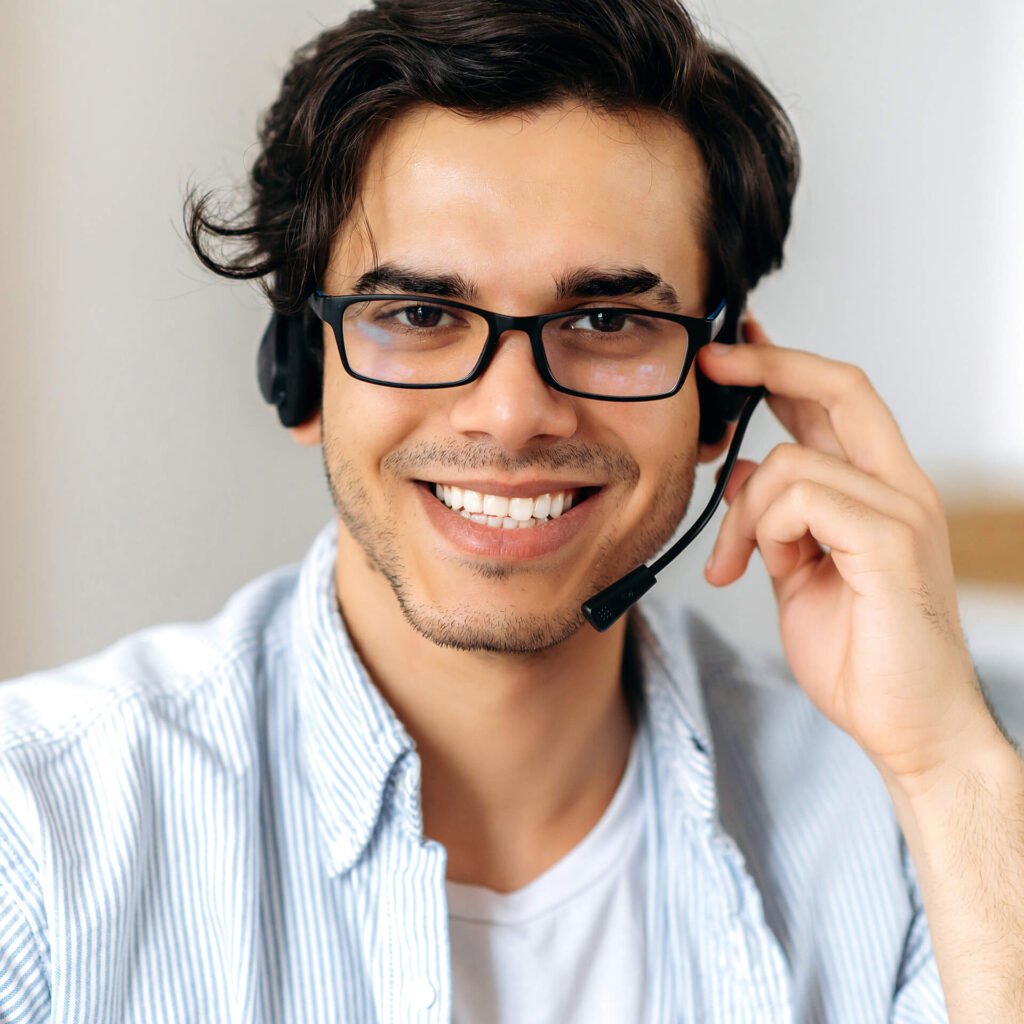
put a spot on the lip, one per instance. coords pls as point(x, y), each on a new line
point(507, 545)
point(525, 489)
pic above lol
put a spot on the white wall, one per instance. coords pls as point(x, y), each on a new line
point(142, 477)
point(906, 251)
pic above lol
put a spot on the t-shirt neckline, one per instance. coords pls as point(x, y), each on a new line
point(604, 849)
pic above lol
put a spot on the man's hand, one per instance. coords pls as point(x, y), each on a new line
point(854, 537)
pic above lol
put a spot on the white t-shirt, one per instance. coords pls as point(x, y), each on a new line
point(570, 946)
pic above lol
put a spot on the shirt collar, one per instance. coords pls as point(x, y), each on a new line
point(350, 741)
point(675, 706)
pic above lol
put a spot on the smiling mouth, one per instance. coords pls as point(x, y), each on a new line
point(500, 512)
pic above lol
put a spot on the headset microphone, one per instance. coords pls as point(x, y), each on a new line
point(607, 606)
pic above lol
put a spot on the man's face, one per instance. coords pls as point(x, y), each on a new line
point(519, 214)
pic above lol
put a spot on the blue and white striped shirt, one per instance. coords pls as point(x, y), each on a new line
point(221, 822)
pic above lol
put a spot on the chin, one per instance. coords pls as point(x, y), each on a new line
point(489, 616)
point(490, 627)
point(495, 632)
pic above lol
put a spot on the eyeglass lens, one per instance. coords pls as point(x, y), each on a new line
point(613, 352)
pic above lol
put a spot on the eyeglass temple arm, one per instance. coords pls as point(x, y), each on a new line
point(717, 320)
point(316, 303)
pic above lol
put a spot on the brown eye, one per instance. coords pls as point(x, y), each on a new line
point(423, 316)
point(609, 321)
point(606, 321)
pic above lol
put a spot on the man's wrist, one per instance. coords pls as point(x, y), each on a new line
point(965, 739)
point(963, 822)
point(979, 765)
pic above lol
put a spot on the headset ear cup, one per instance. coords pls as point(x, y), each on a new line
point(713, 420)
point(721, 405)
point(289, 367)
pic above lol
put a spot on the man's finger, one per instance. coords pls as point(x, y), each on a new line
point(740, 474)
point(862, 423)
point(806, 421)
point(785, 466)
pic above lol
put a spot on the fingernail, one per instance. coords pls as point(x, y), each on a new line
point(719, 348)
point(710, 562)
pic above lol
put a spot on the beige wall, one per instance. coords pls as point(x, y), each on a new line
point(16, 384)
point(142, 477)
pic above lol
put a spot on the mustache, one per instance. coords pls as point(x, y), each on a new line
point(591, 459)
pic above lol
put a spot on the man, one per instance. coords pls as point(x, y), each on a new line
point(409, 782)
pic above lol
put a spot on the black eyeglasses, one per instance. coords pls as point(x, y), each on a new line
point(615, 353)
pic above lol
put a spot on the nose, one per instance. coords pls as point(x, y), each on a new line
point(510, 403)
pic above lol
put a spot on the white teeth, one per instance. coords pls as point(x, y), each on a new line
point(522, 509)
point(495, 505)
point(498, 511)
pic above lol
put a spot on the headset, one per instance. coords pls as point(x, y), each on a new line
point(289, 367)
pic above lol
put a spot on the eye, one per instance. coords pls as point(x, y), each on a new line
point(423, 316)
point(605, 321)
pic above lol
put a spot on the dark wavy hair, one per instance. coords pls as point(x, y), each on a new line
point(486, 57)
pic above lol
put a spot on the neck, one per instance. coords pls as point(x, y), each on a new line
point(521, 754)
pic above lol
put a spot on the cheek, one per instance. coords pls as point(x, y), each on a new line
point(660, 435)
point(365, 422)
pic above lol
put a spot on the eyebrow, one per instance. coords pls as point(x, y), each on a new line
point(391, 277)
point(594, 282)
point(582, 283)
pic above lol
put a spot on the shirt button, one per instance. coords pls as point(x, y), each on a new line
point(421, 994)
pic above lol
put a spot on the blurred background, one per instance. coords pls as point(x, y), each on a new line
point(143, 479)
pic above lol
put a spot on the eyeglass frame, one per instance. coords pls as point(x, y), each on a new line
point(331, 309)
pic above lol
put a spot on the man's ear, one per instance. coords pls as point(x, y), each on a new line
point(310, 432)
point(710, 452)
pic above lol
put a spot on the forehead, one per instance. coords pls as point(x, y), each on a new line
point(529, 193)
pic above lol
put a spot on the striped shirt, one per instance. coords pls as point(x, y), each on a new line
point(222, 823)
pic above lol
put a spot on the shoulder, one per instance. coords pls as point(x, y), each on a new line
point(146, 746)
point(740, 688)
point(753, 699)
point(804, 806)
point(91, 754)
point(775, 753)
point(143, 675)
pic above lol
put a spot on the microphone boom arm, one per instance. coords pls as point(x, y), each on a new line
point(606, 607)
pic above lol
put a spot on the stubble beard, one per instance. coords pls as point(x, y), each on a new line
point(495, 629)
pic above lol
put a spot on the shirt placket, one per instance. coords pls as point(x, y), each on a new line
point(724, 963)
point(412, 978)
